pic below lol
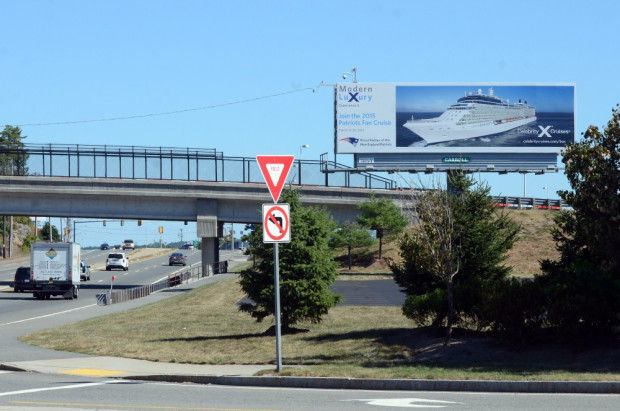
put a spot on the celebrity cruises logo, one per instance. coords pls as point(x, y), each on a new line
point(51, 254)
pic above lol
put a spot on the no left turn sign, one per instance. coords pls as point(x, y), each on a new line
point(276, 223)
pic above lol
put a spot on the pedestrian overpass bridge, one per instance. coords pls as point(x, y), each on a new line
point(160, 183)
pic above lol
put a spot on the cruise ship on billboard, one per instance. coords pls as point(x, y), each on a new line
point(475, 115)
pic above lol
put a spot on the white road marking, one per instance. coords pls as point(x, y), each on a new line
point(100, 281)
point(62, 387)
point(407, 402)
point(6, 372)
point(48, 315)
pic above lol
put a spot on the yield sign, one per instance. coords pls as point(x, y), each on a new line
point(275, 169)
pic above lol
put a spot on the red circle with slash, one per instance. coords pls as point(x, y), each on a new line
point(268, 217)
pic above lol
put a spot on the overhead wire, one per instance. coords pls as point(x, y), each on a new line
point(166, 113)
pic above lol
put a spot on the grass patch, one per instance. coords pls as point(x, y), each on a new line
point(205, 326)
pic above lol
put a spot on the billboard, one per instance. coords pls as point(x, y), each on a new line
point(453, 118)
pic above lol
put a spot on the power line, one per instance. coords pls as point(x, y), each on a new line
point(166, 113)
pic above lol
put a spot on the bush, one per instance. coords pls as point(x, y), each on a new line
point(515, 308)
point(483, 235)
point(583, 286)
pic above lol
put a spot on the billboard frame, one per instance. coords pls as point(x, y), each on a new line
point(457, 150)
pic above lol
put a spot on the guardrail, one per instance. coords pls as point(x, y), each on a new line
point(169, 163)
point(529, 203)
point(174, 279)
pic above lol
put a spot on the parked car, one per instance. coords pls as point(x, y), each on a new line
point(84, 271)
point(22, 282)
point(105, 246)
point(117, 260)
point(176, 258)
point(129, 245)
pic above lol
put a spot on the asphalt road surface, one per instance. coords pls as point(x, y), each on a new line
point(45, 391)
point(369, 293)
point(21, 313)
point(20, 306)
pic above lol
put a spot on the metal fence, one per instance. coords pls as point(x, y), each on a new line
point(174, 279)
point(529, 203)
point(169, 163)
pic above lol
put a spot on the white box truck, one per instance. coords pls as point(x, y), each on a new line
point(55, 270)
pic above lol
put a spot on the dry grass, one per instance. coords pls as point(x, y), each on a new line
point(534, 244)
point(205, 326)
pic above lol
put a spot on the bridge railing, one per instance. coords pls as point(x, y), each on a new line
point(168, 163)
point(529, 203)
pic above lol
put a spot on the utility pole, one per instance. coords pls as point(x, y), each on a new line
point(3, 236)
point(49, 221)
point(36, 229)
point(69, 230)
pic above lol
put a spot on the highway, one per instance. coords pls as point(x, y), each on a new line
point(21, 313)
point(20, 306)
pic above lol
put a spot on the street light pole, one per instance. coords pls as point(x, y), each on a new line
point(301, 148)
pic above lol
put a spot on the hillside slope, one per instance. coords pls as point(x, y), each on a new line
point(534, 244)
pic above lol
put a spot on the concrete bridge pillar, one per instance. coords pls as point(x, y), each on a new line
point(208, 230)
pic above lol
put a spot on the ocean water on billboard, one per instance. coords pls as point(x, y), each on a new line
point(549, 130)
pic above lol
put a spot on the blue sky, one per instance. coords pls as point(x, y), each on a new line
point(75, 60)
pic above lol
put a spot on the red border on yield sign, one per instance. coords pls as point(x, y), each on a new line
point(265, 162)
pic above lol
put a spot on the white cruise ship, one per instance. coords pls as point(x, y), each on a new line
point(475, 115)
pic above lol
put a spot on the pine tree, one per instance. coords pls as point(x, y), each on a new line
point(307, 269)
point(12, 156)
point(484, 235)
point(350, 235)
point(381, 215)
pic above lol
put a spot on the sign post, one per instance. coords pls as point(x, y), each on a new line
point(111, 284)
point(276, 226)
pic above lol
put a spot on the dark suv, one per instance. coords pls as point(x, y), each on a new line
point(22, 280)
point(105, 246)
point(176, 258)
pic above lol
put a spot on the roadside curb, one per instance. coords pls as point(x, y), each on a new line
point(575, 387)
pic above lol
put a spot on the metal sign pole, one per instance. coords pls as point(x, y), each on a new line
point(276, 281)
